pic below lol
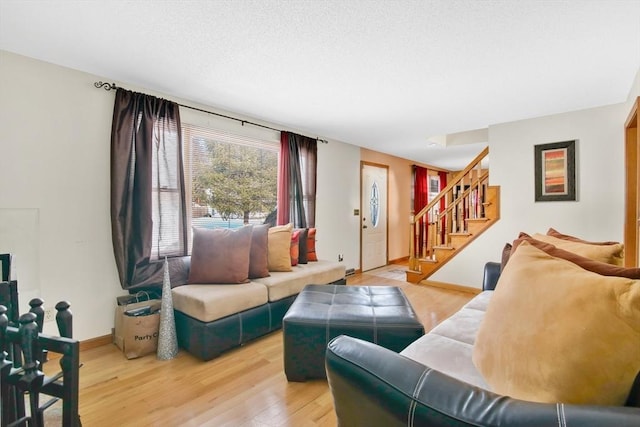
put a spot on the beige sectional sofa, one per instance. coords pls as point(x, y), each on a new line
point(212, 318)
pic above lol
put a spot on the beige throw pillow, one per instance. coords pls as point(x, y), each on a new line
point(611, 254)
point(554, 332)
point(555, 233)
point(279, 243)
point(589, 264)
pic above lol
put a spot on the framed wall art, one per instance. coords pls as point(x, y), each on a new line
point(555, 171)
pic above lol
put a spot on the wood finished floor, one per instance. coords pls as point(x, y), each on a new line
point(243, 387)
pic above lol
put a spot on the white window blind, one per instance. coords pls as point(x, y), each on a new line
point(230, 179)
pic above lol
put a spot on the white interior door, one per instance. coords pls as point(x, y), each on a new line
point(373, 217)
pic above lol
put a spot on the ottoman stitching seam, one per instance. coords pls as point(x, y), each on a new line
point(240, 320)
point(373, 315)
point(328, 327)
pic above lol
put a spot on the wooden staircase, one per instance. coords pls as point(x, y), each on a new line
point(461, 212)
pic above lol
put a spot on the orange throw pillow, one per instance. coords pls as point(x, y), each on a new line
point(295, 247)
point(311, 245)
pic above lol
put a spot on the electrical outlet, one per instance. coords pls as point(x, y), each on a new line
point(49, 315)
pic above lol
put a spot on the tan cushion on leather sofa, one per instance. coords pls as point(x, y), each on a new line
point(589, 264)
point(555, 233)
point(284, 284)
point(611, 254)
point(554, 332)
point(211, 302)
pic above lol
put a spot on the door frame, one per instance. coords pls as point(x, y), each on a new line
point(632, 182)
point(386, 207)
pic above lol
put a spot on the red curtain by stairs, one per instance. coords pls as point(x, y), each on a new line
point(420, 200)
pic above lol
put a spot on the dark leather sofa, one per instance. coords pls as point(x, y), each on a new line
point(373, 386)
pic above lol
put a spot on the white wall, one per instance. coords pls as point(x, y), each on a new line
point(54, 188)
point(598, 214)
point(54, 184)
point(338, 194)
point(54, 147)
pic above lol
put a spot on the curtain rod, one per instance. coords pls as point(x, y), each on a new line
point(112, 86)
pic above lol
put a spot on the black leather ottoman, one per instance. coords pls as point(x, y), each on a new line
point(379, 314)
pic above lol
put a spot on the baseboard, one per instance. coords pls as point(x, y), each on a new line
point(402, 260)
point(85, 345)
point(96, 342)
point(451, 286)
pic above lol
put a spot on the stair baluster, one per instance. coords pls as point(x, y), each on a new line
point(470, 207)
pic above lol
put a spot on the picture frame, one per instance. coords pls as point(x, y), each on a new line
point(555, 171)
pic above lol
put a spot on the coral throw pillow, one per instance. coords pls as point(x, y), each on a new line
point(311, 245)
point(295, 247)
point(220, 255)
point(555, 332)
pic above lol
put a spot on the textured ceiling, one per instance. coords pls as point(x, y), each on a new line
point(386, 75)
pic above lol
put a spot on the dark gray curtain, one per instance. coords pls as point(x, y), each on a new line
point(298, 155)
point(147, 190)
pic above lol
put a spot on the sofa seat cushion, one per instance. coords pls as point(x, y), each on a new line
point(284, 284)
point(447, 355)
point(448, 347)
point(211, 302)
point(480, 301)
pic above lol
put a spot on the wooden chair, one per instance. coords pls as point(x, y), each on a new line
point(22, 374)
point(9, 292)
point(24, 349)
point(20, 378)
point(5, 264)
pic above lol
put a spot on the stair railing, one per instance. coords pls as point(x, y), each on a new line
point(463, 197)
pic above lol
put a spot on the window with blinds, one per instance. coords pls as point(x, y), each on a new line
point(167, 211)
point(230, 179)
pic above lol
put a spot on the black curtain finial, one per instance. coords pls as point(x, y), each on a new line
point(105, 85)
